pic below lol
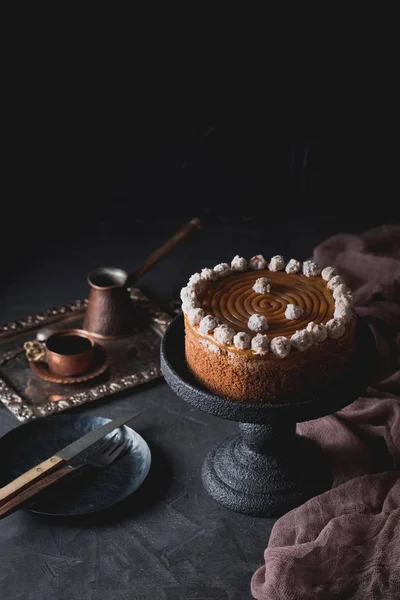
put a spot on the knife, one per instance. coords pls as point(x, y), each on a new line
point(66, 455)
point(109, 452)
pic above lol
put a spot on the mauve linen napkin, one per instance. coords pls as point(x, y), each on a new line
point(345, 543)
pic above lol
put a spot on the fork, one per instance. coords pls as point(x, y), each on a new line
point(108, 453)
point(104, 457)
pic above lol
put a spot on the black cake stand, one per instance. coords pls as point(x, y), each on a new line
point(267, 469)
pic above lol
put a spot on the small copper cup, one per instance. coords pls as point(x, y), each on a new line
point(69, 352)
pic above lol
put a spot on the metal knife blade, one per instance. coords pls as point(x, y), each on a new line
point(92, 437)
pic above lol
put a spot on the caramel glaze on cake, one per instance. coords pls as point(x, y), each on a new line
point(245, 376)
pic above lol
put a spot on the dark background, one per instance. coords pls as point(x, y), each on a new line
point(77, 160)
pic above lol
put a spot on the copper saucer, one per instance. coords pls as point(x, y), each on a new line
point(99, 365)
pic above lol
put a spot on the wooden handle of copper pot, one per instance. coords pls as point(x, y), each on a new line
point(10, 505)
point(165, 249)
point(23, 481)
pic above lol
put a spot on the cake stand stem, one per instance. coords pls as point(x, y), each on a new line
point(260, 437)
point(266, 470)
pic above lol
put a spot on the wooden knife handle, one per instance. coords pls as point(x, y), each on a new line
point(23, 481)
point(21, 497)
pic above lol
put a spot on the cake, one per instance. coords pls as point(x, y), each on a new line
point(266, 330)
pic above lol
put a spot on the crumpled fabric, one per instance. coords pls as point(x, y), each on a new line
point(345, 543)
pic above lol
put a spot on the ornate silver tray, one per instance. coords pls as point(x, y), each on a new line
point(133, 360)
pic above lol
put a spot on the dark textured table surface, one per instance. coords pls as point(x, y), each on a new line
point(169, 541)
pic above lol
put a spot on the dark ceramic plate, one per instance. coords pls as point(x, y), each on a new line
point(87, 490)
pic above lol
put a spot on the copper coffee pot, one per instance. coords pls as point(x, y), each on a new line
point(110, 312)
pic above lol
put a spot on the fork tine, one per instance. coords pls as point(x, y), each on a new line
point(107, 457)
point(115, 452)
point(112, 439)
point(108, 444)
point(115, 444)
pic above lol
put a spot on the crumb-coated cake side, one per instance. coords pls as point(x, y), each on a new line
point(267, 330)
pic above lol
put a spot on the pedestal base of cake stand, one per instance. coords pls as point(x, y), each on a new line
point(267, 469)
point(265, 473)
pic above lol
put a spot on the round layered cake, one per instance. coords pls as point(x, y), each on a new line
point(266, 330)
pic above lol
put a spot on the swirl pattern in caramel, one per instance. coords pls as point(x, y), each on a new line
point(233, 301)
